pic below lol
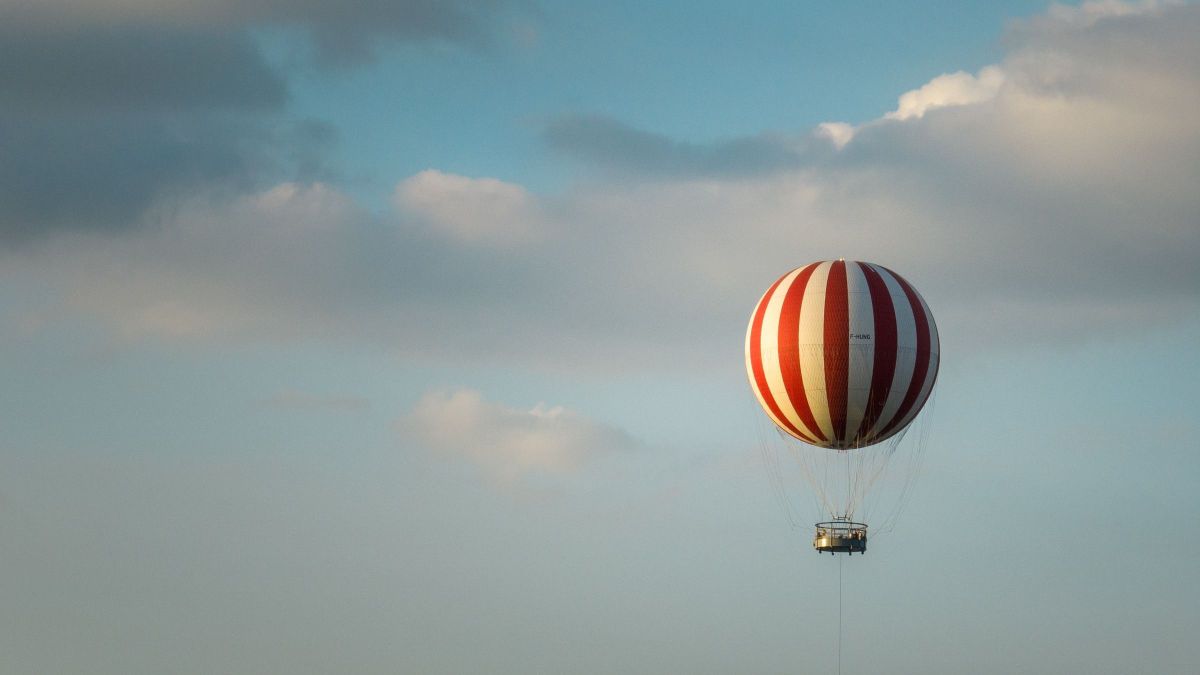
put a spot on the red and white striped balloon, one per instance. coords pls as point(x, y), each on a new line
point(842, 354)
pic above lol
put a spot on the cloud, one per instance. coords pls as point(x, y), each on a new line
point(301, 261)
point(469, 210)
point(612, 144)
point(507, 441)
point(112, 110)
point(1061, 209)
point(949, 90)
point(101, 171)
point(838, 133)
point(1036, 193)
point(1086, 14)
point(135, 67)
point(253, 267)
point(344, 33)
point(102, 126)
point(349, 33)
point(304, 261)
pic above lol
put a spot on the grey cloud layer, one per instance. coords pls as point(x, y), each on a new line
point(343, 32)
point(134, 67)
point(110, 110)
point(616, 146)
point(101, 124)
point(1047, 213)
point(103, 171)
point(1070, 187)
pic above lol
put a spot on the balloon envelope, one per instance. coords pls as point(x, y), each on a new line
point(842, 354)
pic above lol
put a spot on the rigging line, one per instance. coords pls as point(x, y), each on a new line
point(769, 452)
point(849, 487)
point(912, 468)
point(774, 476)
point(812, 464)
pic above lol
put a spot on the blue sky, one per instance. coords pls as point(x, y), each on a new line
point(406, 337)
point(701, 73)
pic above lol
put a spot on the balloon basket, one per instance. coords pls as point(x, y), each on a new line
point(841, 536)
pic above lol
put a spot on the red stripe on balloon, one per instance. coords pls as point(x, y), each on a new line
point(837, 341)
point(922, 364)
point(789, 349)
point(756, 363)
point(884, 363)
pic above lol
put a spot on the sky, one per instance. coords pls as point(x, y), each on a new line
point(378, 337)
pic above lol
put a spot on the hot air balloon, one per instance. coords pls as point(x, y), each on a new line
point(842, 356)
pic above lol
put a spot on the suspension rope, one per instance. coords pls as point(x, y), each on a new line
point(839, 615)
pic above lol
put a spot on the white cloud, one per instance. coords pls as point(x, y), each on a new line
point(949, 90)
point(305, 205)
point(507, 441)
point(469, 210)
point(1033, 62)
point(944, 91)
point(838, 133)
